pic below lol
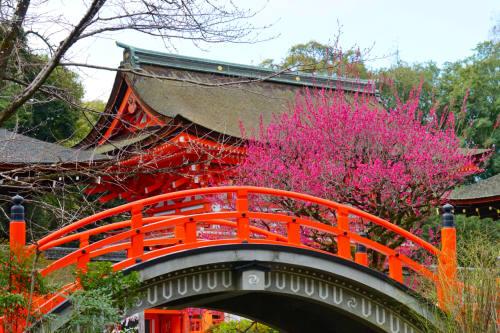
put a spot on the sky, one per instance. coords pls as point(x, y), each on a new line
point(422, 30)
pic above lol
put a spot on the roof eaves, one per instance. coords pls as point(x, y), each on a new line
point(118, 144)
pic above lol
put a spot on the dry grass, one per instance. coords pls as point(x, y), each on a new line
point(472, 302)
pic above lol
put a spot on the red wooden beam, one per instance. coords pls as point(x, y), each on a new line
point(126, 194)
point(156, 186)
point(180, 182)
point(97, 189)
point(108, 197)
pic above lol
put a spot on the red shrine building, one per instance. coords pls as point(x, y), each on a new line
point(174, 123)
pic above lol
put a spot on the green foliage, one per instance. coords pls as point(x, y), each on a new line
point(243, 325)
point(100, 275)
point(468, 229)
point(104, 296)
point(48, 212)
point(46, 118)
point(317, 58)
point(93, 312)
point(403, 77)
point(16, 266)
point(84, 124)
point(479, 73)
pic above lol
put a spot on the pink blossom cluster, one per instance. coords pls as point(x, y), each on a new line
point(347, 149)
point(397, 164)
point(341, 145)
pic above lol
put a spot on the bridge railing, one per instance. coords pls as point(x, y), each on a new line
point(186, 237)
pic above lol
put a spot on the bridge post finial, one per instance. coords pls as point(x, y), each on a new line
point(361, 255)
point(448, 257)
point(448, 218)
point(17, 232)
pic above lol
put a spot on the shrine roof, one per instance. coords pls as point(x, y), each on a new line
point(195, 89)
point(20, 149)
point(476, 152)
point(488, 188)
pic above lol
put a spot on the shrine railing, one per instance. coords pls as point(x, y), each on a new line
point(185, 234)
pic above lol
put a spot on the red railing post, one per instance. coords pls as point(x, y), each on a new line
point(448, 257)
point(396, 268)
point(84, 259)
point(293, 232)
point(17, 240)
point(129, 253)
point(361, 255)
point(17, 226)
point(180, 233)
point(191, 232)
point(243, 223)
point(343, 242)
point(137, 239)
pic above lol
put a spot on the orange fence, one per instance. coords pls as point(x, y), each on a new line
point(185, 234)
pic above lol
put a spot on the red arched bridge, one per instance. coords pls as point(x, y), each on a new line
point(270, 277)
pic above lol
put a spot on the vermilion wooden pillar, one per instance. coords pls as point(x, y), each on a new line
point(186, 323)
point(157, 324)
point(207, 321)
point(175, 324)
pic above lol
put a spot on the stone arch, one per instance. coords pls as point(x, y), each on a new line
point(290, 289)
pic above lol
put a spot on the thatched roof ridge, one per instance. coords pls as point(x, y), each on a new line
point(138, 58)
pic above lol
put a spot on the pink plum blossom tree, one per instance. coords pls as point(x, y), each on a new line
point(397, 164)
